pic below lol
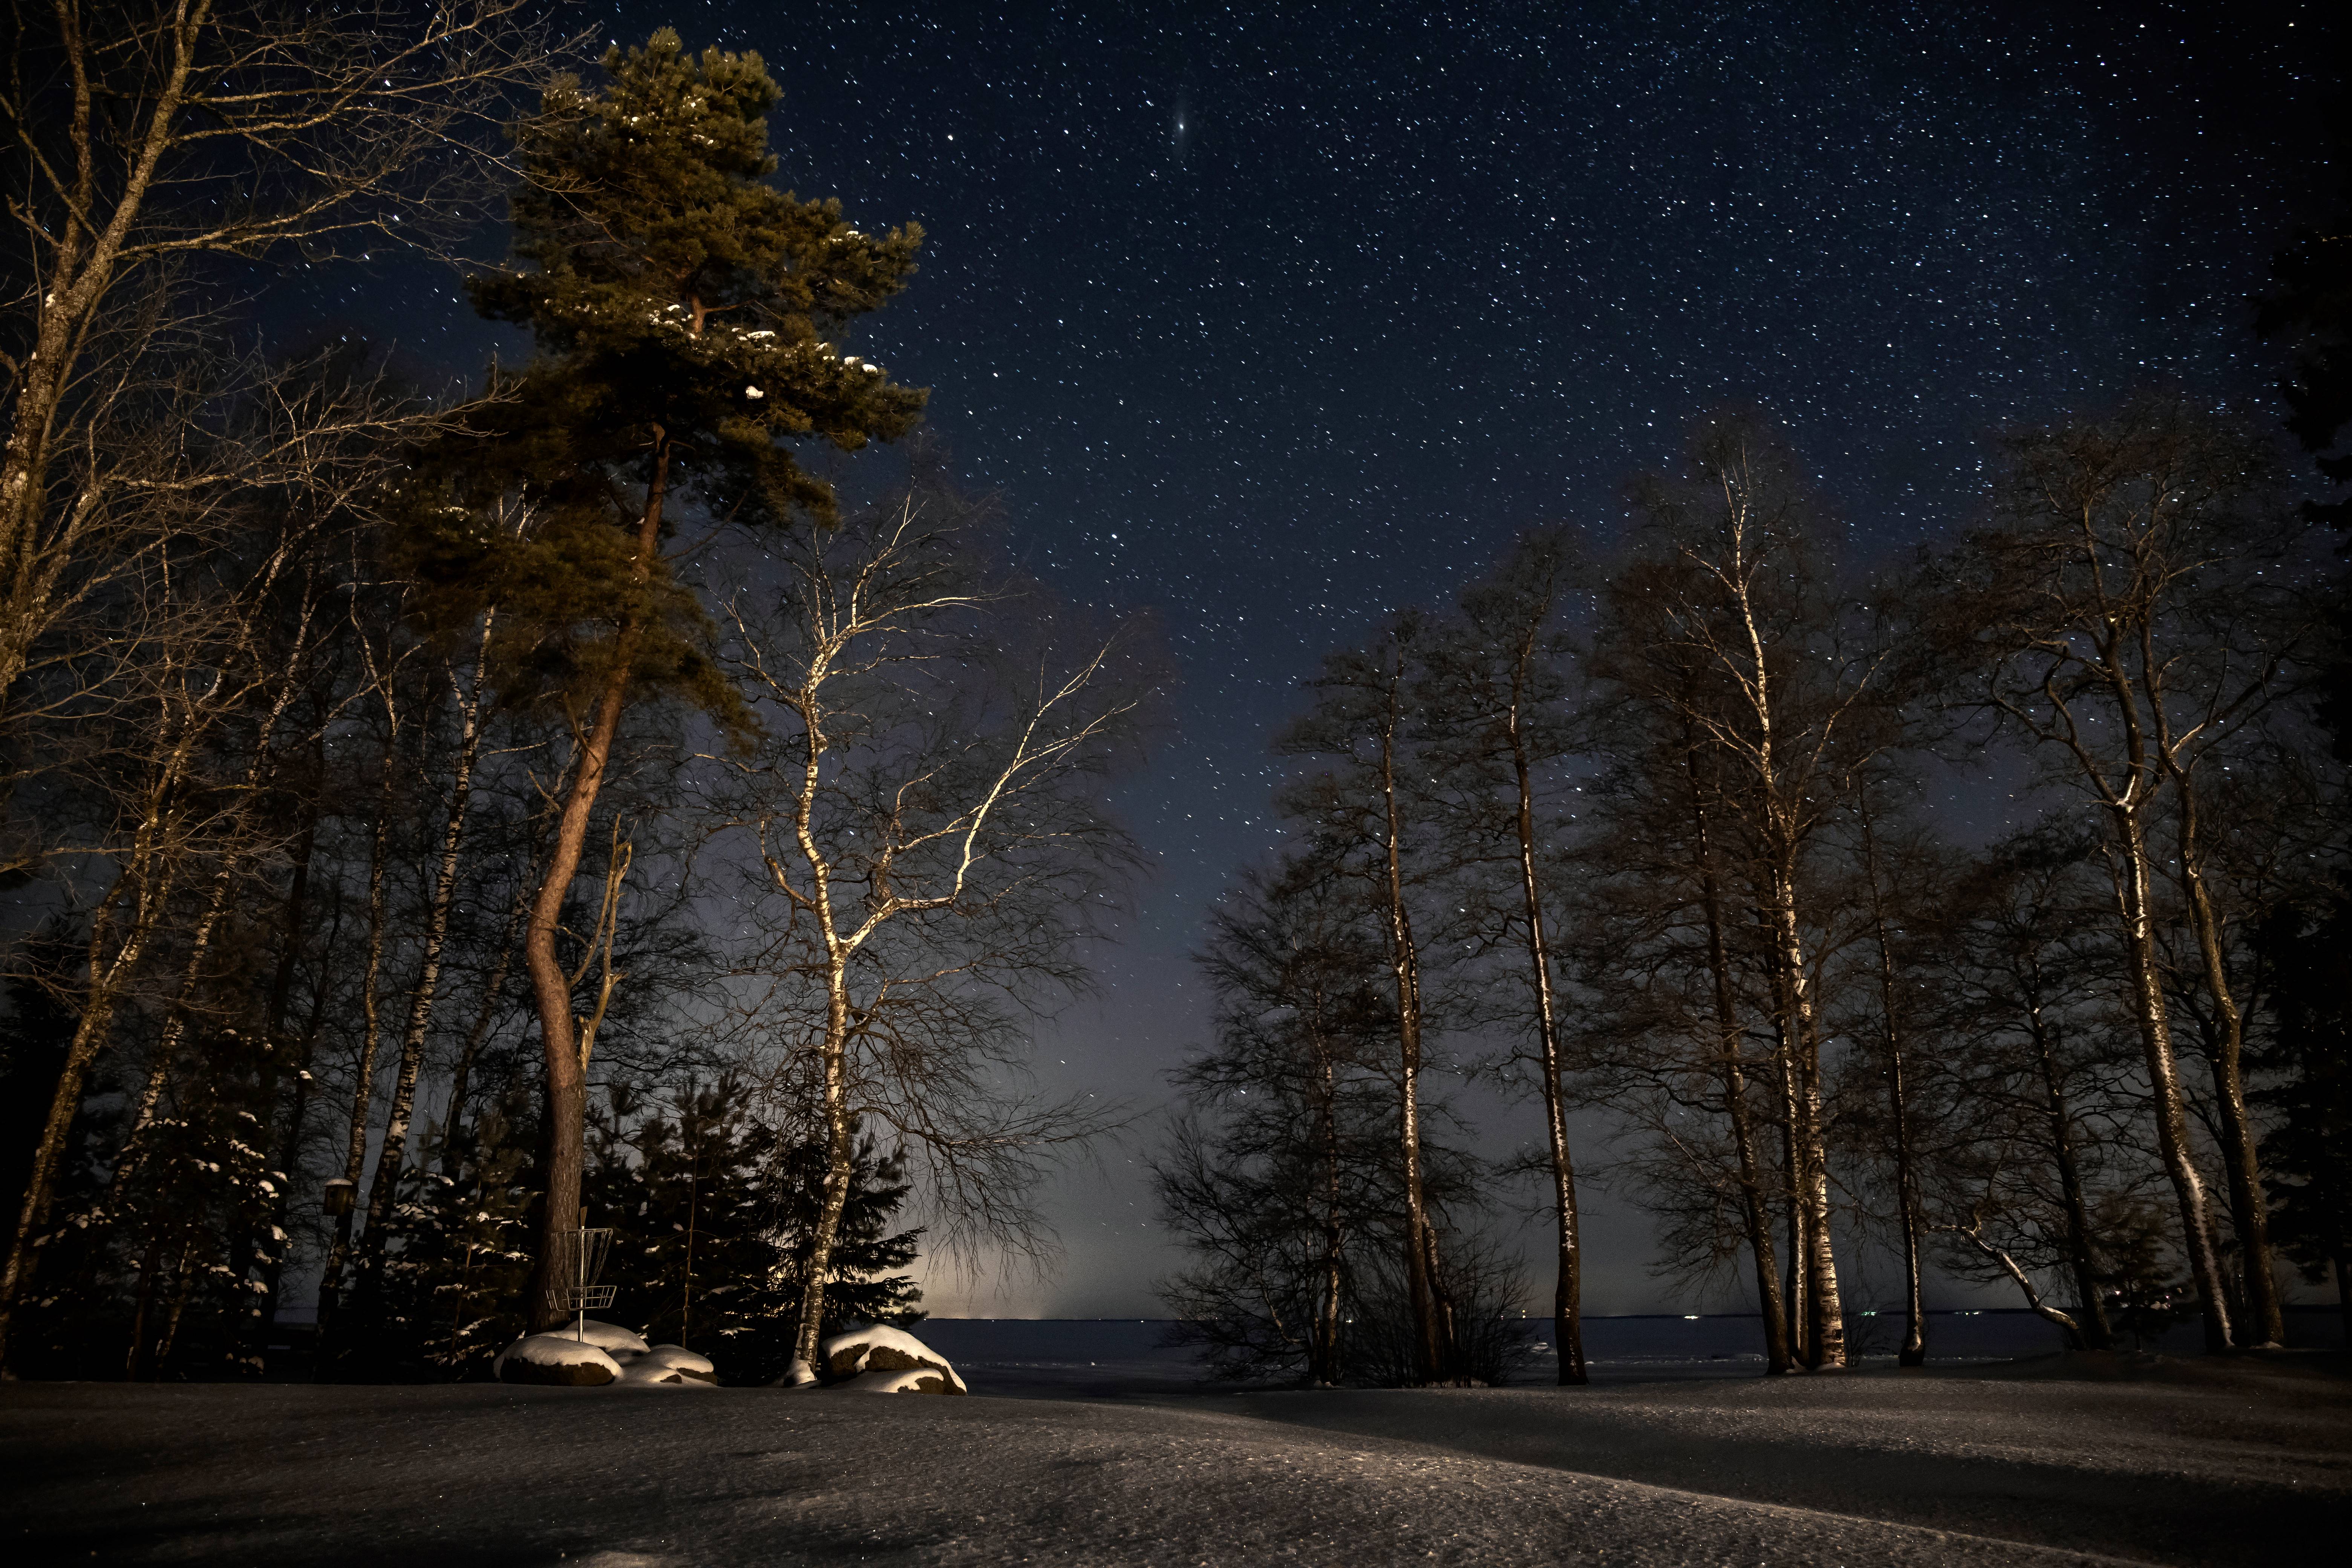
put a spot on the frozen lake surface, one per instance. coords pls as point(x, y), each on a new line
point(1129, 1357)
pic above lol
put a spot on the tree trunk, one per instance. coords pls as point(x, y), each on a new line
point(693, 1222)
point(2241, 1160)
point(1822, 1345)
point(187, 1286)
point(390, 1161)
point(1756, 1210)
point(1906, 1190)
point(363, 1085)
point(2091, 1320)
point(2241, 1147)
point(1323, 1366)
point(252, 1244)
point(85, 258)
point(563, 1146)
point(834, 1048)
point(1567, 1327)
point(1914, 1307)
point(1796, 1283)
point(1431, 1350)
point(175, 1017)
point(167, 1045)
point(1824, 1313)
point(840, 1149)
point(2025, 1281)
point(1754, 1202)
point(2132, 892)
point(98, 1002)
point(148, 880)
point(264, 1250)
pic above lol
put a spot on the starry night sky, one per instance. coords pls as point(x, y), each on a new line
point(1268, 320)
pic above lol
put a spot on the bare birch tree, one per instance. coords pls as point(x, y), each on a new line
point(1371, 801)
point(146, 137)
point(1665, 967)
point(1724, 577)
point(926, 813)
point(2034, 1100)
point(2126, 615)
point(1268, 1178)
point(183, 670)
point(1496, 718)
point(683, 306)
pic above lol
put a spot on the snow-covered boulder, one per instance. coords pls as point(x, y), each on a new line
point(556, 1359)
point(610, 1338)
point(671, 1364)
point(851, 1358)
point(913, 1380)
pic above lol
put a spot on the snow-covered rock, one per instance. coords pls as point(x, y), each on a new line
point(610, 1338)
point(672, 1364)
point(556, 1359)
point(913, 1380)
point(639, 1376)
point(851, 1357)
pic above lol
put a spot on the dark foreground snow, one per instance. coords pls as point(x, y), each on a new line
point(2242, 1465)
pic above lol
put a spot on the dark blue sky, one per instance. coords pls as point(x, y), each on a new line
point(1271, 319)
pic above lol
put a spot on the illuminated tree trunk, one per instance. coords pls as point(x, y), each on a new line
point(2132, 897)
point(1568, 1326)
point(1823, 1346)
point(1432, 1341)
point(566, 1099)
point(2241, 1162)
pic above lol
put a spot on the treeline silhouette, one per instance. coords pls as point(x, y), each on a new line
point(1984, 908)
point(428, 817)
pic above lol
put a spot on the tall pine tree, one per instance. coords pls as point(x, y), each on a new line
point(685, 313)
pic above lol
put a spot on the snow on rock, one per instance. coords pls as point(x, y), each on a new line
point(913, 1380)
point(607, 1354)
point(670, 1364)
point(661, 1377)
point(850, 1357)
point(639, 1376)
point(610, 1338)
point(558, 1359)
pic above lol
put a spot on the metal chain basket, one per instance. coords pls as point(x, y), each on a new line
point(578, 1257)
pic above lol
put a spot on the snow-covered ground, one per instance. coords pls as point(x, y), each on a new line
point(2214, 1465)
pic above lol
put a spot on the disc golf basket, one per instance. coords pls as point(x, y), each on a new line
point(579, 1258)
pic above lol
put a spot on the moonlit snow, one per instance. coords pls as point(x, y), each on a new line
point(2233, 1464)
